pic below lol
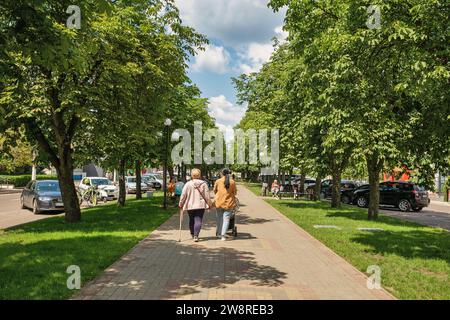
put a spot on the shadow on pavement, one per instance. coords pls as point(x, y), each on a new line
point(196, 267)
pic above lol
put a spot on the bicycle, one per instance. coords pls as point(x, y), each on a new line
point(90, 196)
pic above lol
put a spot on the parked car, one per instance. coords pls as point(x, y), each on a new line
point(44, 195)
point(151, 181)
point(352, 194)
point(347, 187)
point(403, 195)
point(107, 190)
point(288, 185)
point(130, 185)
point(308, 182)
point(156, 179)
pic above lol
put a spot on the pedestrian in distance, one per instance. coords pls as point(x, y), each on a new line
point(265, 186)
point(225, 202)
point(171, 190)
point(195, 200)
point(275, 188)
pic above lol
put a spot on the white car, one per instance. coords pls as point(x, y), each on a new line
point(107, 190)
point(130, 185)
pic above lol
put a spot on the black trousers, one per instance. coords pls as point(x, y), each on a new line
point(195, 221)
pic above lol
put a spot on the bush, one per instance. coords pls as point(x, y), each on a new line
point(20, 181)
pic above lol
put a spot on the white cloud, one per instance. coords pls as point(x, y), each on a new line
point(259, 53)
point(281, 34)
point(254, 56)
point(214, 59)
point(227, 114)
point(247, 69)
point(234, 22)
point(224, 111)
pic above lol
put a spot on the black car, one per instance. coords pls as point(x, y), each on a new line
point(347, 188)
point(397, 194)
point(41, 196)
point(353, 193)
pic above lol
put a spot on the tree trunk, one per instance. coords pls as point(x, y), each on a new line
point(336, 189)
point(317, 190)
point(68, 191)
point(171, 174)
point(302, 183)
point(122, 190)
point(374, 166)
point(138, 180)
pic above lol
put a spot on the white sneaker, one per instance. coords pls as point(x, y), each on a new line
point(223, 238)
point(195, 239)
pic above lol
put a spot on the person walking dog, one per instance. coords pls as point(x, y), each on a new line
point(195, 199)
point(225, 202)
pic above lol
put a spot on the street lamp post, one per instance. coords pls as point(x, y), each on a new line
point(167, 124)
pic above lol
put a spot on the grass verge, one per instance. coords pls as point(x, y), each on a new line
point(34, 257)
point(414, 259)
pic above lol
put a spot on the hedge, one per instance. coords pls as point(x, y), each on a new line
point(22, 180)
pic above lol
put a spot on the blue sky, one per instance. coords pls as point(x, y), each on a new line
point(240, 34)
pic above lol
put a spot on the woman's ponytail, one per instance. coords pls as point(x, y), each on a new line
point(226, 173)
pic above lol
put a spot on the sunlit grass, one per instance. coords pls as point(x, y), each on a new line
point(34, 257)
point(414, 259)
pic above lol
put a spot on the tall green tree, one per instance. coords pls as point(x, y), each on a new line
point(57, 78)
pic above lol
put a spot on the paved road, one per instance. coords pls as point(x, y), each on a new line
point(11, 214)
point(272, 258)
point(435, 215)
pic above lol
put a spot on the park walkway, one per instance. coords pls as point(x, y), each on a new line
point(272, 258)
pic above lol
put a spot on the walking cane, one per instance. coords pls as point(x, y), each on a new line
point(181, 222)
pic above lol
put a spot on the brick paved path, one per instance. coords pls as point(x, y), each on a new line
point(271, 258)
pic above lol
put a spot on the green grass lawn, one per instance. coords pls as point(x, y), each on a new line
point(254, 187)
point(34, 257)
point(414, 259)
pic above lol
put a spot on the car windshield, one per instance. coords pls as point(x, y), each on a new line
point(148, 178)
point(131, 180)
point(98, 182)
point(418, 188)
point(48, 187)
point(158, 176)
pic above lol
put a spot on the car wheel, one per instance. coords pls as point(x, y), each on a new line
point(418, 209)
point(22, 203)
point(362, 202)
point(35, 207)
point(404, 205)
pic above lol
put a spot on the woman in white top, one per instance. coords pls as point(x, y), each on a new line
point(195, 199)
